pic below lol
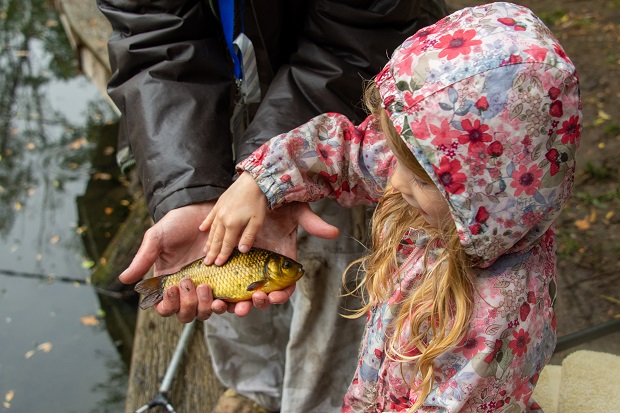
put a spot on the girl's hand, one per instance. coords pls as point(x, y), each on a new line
point(235, 220)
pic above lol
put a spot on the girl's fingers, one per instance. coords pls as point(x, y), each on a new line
point(214, 244)
point(206, 224)
point(249, 235)
point(229, 241)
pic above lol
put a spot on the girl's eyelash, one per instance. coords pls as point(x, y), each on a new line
point(418, 182)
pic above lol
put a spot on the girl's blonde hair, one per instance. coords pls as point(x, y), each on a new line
point(435, 316)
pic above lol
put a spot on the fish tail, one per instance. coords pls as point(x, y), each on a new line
point(152, 290)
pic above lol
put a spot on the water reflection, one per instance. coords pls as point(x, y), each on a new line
point(60, 203)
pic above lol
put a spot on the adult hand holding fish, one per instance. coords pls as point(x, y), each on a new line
point(175, 240)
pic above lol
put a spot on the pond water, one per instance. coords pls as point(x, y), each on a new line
point(56, 136)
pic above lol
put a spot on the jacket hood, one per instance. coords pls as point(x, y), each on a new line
point(488, 102)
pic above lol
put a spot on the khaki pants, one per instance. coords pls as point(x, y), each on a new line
point(300, 356)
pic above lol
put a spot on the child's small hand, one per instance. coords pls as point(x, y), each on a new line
point(235, 220)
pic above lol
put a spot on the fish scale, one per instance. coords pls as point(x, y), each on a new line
point(228, 281)
point(234, 281)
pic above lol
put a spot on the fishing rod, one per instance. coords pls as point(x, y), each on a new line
point(161, 398)
point(67, 279)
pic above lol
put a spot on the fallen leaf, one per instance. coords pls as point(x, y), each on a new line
point(609, 215)
point(86, 264)
point(18, 206)
point(9, 395)
point(55, 239)
point(29, 354)
point(102, 176)
point(582, 224)
point(78, 143)
point(45, 347)
point(592, 217)
point(89, 320)
point(108, 210)
point(30, 146)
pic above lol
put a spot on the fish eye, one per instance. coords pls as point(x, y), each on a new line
point(287, 264)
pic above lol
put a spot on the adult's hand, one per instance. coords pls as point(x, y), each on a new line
point(175, 241)
point(168, 245)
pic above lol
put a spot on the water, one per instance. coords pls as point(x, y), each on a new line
point(56, 354)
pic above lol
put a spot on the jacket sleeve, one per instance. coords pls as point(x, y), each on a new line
point(327, 156)
point(171, 79)
point(342, 44)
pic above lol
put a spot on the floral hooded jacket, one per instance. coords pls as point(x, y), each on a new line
point(488, 102)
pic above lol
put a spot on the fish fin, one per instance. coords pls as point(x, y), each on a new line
point(152, 290)
point(256, 285)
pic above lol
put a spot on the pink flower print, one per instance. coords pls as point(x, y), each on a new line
point(475, 135)
point(420, 129)
point(344, 188)
point(552, 156)
point(293, 146)
point(531, 218)
point(326, 153)
point(520, 342)
point(522, 389)
point(331, 178)
point(554, 92)
point(494, 173)
point(450, 175)
point(424, 33)
point(560, 51)
point(471, 345)
point(528, 180)
point(482, 215)
point(538, 53)
point(458, 43)
point(475, 229)
point(286, 178)
point(443, 135)
point(555, 109)
point(496, 348)
point(257, 157)
point(495, 149)
point(482, 104)
point(477, 166)
point(508, 21)
point(524, 311)
point(570, 130)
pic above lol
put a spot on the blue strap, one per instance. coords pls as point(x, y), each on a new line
point(227, 16)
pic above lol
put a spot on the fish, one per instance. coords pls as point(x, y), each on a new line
point(234, 281)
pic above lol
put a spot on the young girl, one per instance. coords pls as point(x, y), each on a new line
point(475, 121)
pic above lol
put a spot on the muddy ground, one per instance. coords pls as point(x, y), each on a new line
point(589, 228)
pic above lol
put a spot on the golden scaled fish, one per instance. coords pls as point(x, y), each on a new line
point(234, 281)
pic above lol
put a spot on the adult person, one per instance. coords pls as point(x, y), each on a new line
point(174, 82)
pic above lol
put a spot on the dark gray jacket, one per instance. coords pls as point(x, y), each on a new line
point(173, 80)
